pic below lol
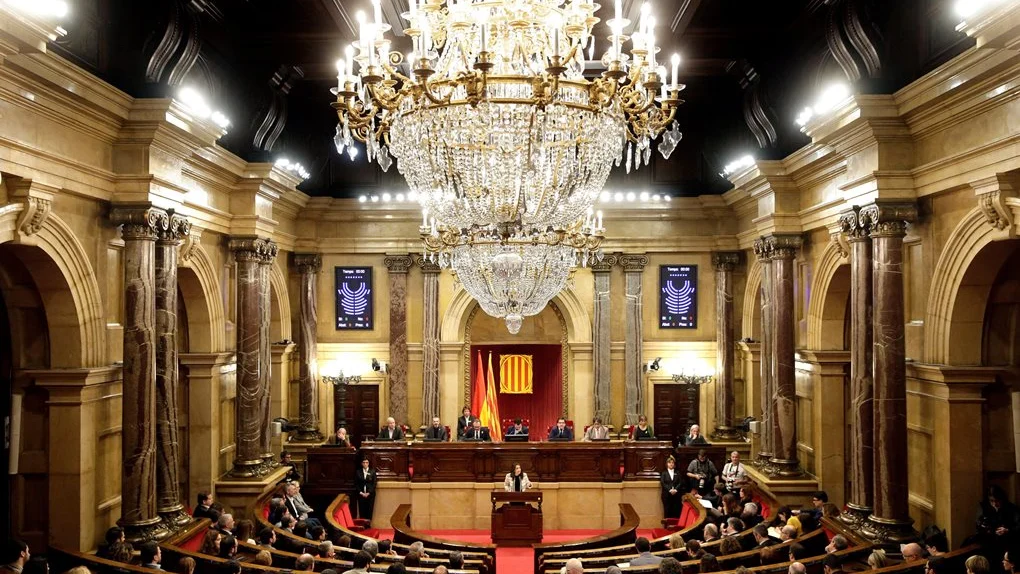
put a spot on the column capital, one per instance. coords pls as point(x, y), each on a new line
point(178, 227)
point(140, 221)
point(254, 249)
point(725, 260)
point(633, 263)
point(856, 227)
point(777, 246)
point(603, 266)
point(888, 218)
point(308, 263)
point(398, 264)
point(426, 265)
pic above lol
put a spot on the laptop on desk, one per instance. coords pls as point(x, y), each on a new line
point(516, 438)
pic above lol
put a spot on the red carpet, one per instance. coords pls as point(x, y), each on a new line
point(512, 560)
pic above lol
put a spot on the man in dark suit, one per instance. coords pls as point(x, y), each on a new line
point(465, 421)
point(364, 483)
point(477, 432)
point(517, 429)
point(204, 507)
point(391, 431)
point(761, 535)
point(436, 430)
point(561, 431)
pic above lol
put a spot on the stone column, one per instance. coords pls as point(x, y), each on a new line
point(140, 227)
point(601, 353)
point(890, 519)
point(248, 451)
point(862, 404)
point(168, 463)
point(633, 266)
point(308, 265)
point(784, 403)
point(725, 426)
point(430, 342)
point(765, 449)
point(398, 265)
point(266, 357)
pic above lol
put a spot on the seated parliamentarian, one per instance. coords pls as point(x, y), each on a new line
point(391, 431)
point(517, 481)
point(477, 432)
point(643, 430)
point(561, 431)
point(436, 430)
point(597, 431)
point(694, 437)
point(341, 438)
point(518, 429)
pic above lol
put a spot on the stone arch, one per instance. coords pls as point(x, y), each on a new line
point(576, 317)
point(827, 308)
point(68, 287)
point(279, 300)
point(751, 319)
point(967, 267)
point(200, 289)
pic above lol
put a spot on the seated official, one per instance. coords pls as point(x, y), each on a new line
point(518, 429)
point(391, 431)
point(436, 430)
point(694, 437)
point(561, 430)
point(642, 430)
point(341, 438)
point(597, 431)
point(477, 433)
point(465, 421)
point(517, 481)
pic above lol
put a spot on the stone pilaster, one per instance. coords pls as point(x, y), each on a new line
point(266, 357)
point(248, 450)
point(140, 226)
point(430, 406)
point(398, 266)
point(724, 263)
point(308, 265)
point(601, 352)
point(168, 461)
point(890, 519)
point(633, 266)
point(859, 500)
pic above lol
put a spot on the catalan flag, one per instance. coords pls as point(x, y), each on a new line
point(490, 408)
point(515, 374)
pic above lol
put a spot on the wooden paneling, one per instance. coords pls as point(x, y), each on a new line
point(361, 409)
point(675, 408)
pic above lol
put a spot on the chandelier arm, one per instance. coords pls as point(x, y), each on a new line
point(427, 90)
point(385, 102)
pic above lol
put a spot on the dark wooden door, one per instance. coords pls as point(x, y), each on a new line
point(361, 409)
point(675, 409)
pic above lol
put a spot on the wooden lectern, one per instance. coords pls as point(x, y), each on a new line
point(516, 521)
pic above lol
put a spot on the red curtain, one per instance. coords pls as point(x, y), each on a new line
point(545, 404)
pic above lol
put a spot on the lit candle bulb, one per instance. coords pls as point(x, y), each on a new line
point(424, 218)
point(651, 41)
point(676, 67)
point(599, 215)
point(341, 74)
point(414, 11)
point(377, 8)
point(618, 6)
point(349, 52)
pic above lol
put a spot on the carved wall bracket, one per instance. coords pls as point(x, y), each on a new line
point(993, 195)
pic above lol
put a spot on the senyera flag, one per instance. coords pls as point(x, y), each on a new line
point(490, 408)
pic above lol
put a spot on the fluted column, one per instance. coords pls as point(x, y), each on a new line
point(765, 450)
point(890, 519)
point(600, 352)
point(398, 265)
point(308, 265)
point(430, 403)
point(266, 357)
point(859, 501)
point(633, 266)
point(168, 462)
point(248, 451)
point(724, 262)
point(140, 228)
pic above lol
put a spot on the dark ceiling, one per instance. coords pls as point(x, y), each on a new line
point(749, 66)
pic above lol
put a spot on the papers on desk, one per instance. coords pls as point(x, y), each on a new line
point(775, 533)
point(623, 565)
point(705, 503)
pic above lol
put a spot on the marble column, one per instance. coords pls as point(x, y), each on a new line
point(141, 226)
point(890, 519)
point(765, 450)
point(248, 451)
point(784, 403)
point(862, 404)
point(725, 425)
point(601, 351)
point(398, 265)
point(308, 265)
point(430, 342)
point(168, 462)
point(266, 357)
point(633, 266)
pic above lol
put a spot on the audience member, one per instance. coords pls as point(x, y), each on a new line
point(1007, 561)
point(151, 555)
point(456, 561)
point(936, 565)
point(978, 564)
point(296, 504)
point(276, 510)
point(838, 542)
point(912, 552)
point(729, 546)
point(670, 565)
point(832, 564)
point(711, 532)
point(244, 530)
point(287, 461)
point(419, 547)
point(78, 570)
point(796, 568)
point(267, 538)
point(751, 515)
point(937, 544)
point(385, 546)
point(574, 566)
point(360, 563)
point(304, 563)
point(830, 510)
point(288, 523)
point(694, 551)
point(440, 570)
point(203, 508)
point(124, 553)
point(316, 532)
point(709, 563)
point(36, 565)
point(301, 528)
point(412, 559)
point(733, 526)
point(676, 541)
point(326, 550)
point(787, 533)
point(114, 536)
point(798, 552)
point(344, 541)
point(786, 518)
point(228, 547)
point(263, 557)
point(817, 501)
point(761, 536)
point(372, 547)
point(877, 559)
point(186, 565)
point(614, 569)
point(644, 550)
point(396, 568)
point(225, 524)
point(730, 507)
point(232, 566)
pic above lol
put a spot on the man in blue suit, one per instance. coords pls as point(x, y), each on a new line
point(560, 431)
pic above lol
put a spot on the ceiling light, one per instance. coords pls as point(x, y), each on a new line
point(606, 195)
point(386, 196)
point(219, 119)
point(831, 97)
point(805, 116)
point(738, 164)
point(668, 198)
point(644, 196)
point(375, 199)
point(362, 199)
point(194, 101)
point(618, 196)
point(631, 196)
point(49, 8)
point(400, 197)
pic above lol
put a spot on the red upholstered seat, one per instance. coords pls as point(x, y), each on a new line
point(688, 516)
point(449, 435)
point(507, 423)
point(344, 518)
point(194, 543)
point(407, 431)
point(763, 506)
point(265, 511)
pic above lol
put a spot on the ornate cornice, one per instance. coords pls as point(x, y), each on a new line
point(725, 260)
point(254, 249)
point(308, 262)
point(633, 263)
point(398, 264)
point(777, 246)
point(140, 222)
point(888, 218)
point(426, 265)
point(603, 266)
point(178, 227)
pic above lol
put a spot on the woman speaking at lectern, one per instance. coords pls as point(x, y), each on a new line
point(516, 481)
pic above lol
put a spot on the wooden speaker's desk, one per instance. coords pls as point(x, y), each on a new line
point(516, 518)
